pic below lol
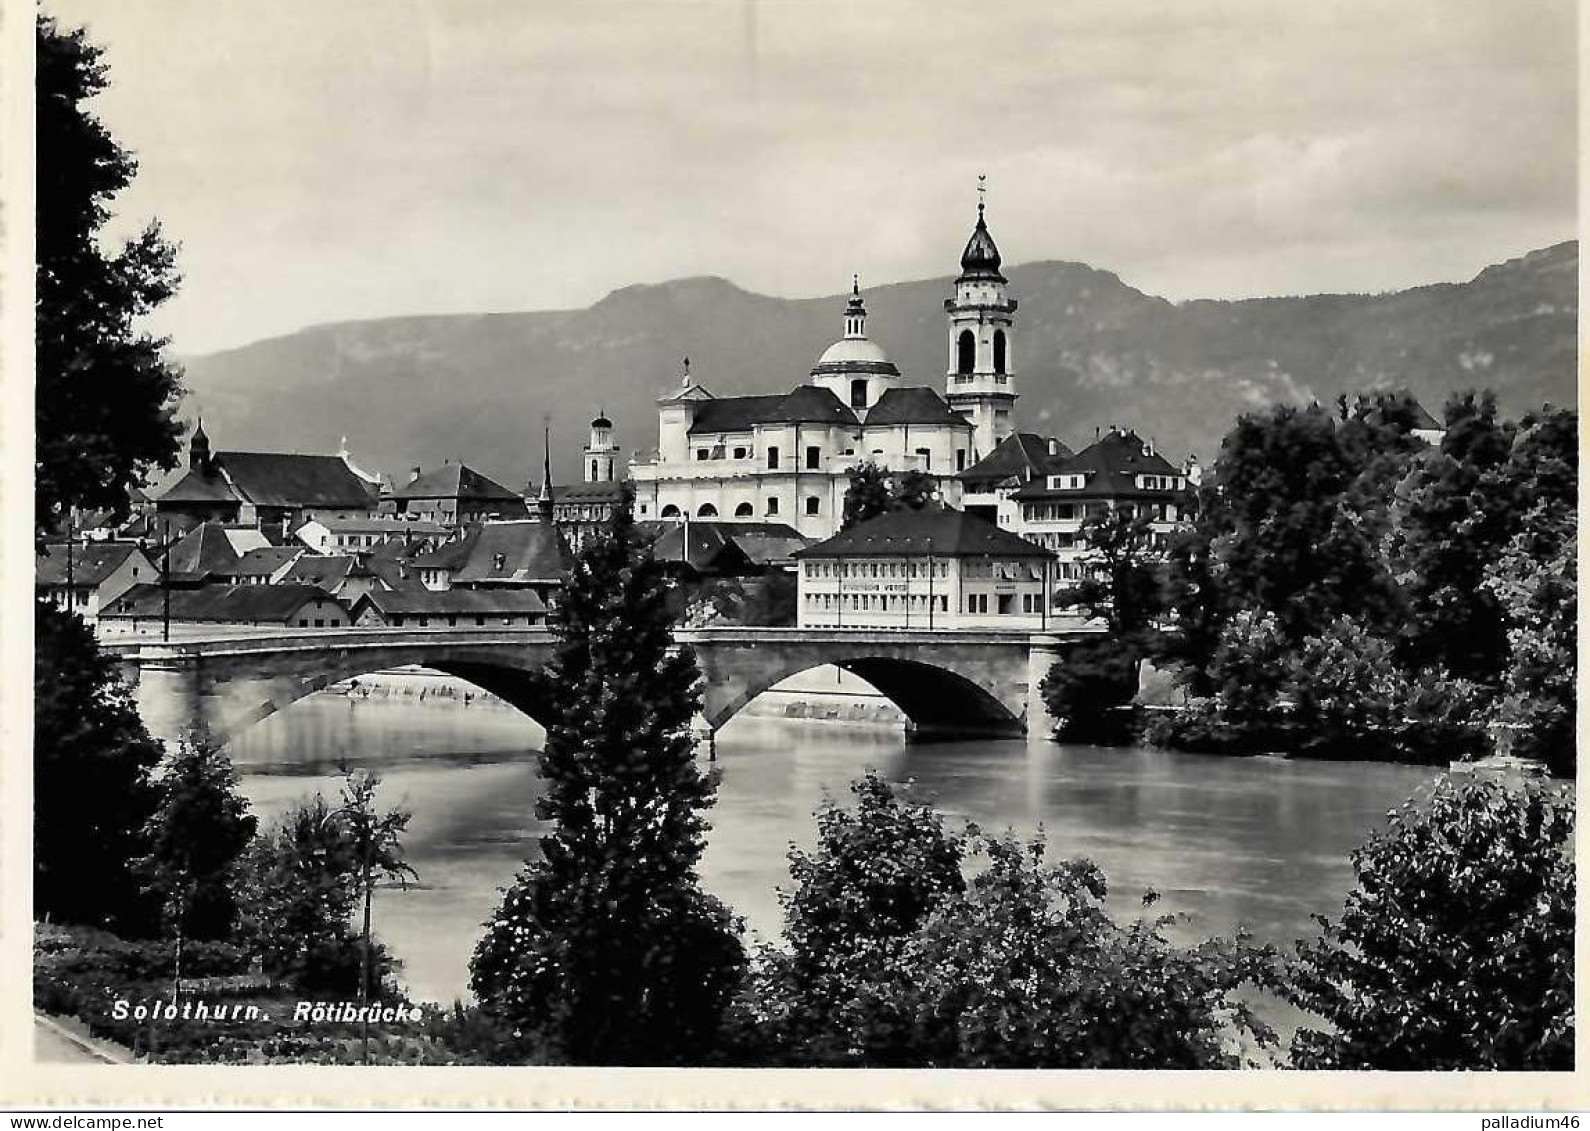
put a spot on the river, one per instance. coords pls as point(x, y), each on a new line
point(1259, 841)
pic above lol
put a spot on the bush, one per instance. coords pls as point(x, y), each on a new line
point(1089, 688)
point(1455, 949)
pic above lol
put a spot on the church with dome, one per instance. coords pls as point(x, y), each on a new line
point(787, 457)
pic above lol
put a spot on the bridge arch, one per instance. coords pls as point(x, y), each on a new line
point(936, 700)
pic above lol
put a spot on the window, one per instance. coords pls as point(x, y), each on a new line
point(320, 622)
point(670, 511)
point(772, 459)
point(965, 352)
point(1007, 604)
point(702, 453)
point(744, 510)
point(813, 504)
point(707, 510)
point(960, 459)
point(772, 504)
point(481, 621)
point(999, 351)
point(858, 392)
point(927, 458)
point(593, 471)
point(739, 453)
point(303, 623)
point(814, 458)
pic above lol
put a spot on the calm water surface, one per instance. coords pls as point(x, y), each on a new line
point(1257, 841)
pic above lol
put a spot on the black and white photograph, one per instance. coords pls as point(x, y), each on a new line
point(826, 535)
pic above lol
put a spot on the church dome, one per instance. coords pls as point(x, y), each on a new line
point(981, 259)
point(855, 355)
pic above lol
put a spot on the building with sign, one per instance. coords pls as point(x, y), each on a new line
point(933, 568)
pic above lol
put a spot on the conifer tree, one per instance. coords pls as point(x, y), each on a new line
point(606, 950)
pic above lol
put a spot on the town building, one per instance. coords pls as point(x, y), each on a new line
point(452, 495)
point(787, 457)
point(525, 554)
point(725, 549)
point(212, 552)
point(266, 565)
point(333, 535)
point(987, 487)
point(207, 609)
point(932, 568)
point(586, 508)
point(84, 578)
point(261, 489)
point(452, 608)
point(1119, 470)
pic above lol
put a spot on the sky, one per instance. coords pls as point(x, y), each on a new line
point(322, 161)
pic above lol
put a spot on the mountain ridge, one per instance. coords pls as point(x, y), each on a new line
point(1089, 350)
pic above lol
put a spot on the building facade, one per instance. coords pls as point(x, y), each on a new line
point(934, 568)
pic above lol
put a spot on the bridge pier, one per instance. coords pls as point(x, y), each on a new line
point(1042, 653)
point(167, 693)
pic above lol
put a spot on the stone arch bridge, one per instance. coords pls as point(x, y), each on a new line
point(947, 683)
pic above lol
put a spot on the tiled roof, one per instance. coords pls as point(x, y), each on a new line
point(264, 561)
point(591, 492)
point(441, 602)
point(914, 404)
point(198, 487)
point(287, 479)
point(91, 563)
point(1109, 466)
point(734, 414)
point(232, 603)
point(526, 551)
point(382, 524)
point(450, 554)
point(938, 531)
point(204, 550)
point(701, 545)
point(1016, 455)
point(455, 481)
point(324, 570)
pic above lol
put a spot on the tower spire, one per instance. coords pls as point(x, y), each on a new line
point(855, 311)
point(544, 502)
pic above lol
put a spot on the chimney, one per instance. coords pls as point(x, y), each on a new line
point(414, 473)
point(1054, 446)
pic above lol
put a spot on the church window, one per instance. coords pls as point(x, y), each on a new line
point(999, 351)
point(813, 504)
point(960, 459)
point(670, 511)
point(744, 510)
point(772, 458)
point(814, 457)
point(739, 453)
point(702, 453)
point(772, 504)
point(965, 352)
point(593, 471)
point(858, 392)
point(707, 510)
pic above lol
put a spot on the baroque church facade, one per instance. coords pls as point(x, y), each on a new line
point(786, 458)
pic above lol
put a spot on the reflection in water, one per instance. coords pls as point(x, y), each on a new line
point(1257, 841)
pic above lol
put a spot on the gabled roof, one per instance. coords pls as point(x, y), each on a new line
point(442, 602)
point(287, 479)
point(1110, 466)
point(234, 603)
point(198, 487)
point(516, 552)
point(812, 404)
point(456, 481)
point(938, 531)
point(203, 551)
point(265, 561)
point(608, 492)
point(1018, 454)
point(700, 545)
point(325, 570)
point(91, 563)
point(914, 404)
point(451, 554)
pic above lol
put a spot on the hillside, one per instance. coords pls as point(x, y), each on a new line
point(1089, 351)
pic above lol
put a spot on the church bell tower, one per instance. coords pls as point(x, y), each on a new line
point(981, 381)
point(601, 454)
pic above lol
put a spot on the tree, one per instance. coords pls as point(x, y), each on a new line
point(375, 841)
point(299, 889)
point(868, 494)
point(1455, 949)
point(914, 490)
point(93, 792)
point(105, 413)
point(834, 994)
point(199, 829)
point(605, 950)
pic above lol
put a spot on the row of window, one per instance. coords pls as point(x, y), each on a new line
point(1004, 571)
point(894, 569)
point(396, 621)
point(814, 506)
point(814, 456)
point(878, 602)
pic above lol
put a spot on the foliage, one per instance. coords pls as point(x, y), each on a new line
point(200, 827)
point(913, 490)
point(1125, 586)
point(1087, 688)
point(106, 397)
point(92, 786)
point(605, 950)
point(891, 960)
point(1455, 949)
point(768, 600)
point(868, 494)
point(299, 887)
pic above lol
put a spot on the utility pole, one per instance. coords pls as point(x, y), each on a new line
point(165, 581)
point(71, 588)
point(930, 583)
